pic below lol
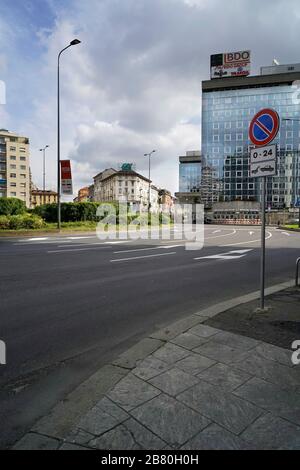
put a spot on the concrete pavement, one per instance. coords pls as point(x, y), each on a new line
point(190, 387)
point(72, 304)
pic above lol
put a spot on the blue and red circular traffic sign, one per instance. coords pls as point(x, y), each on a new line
point(264, 127)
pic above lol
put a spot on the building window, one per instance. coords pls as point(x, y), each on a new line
point(216, 125)
point(227, 125)
point(227, 137)
point(13, 167)
point(227, 150)
point(22, 176)
point(23, 159)
point(13, 157)
point(13, 175)
point(240, 125)
point(23, 167)
point(289, 134)
point(13, 185)
point(239, 137)
point(216, 138)
point(23, 185)
point(13, 194)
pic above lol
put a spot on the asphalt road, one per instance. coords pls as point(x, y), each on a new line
point(70, 304)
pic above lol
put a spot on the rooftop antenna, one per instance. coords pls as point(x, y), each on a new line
point(276, 62)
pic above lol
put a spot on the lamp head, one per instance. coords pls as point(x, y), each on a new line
point(75, 42)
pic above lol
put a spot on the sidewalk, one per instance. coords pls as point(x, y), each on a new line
point(199, 384)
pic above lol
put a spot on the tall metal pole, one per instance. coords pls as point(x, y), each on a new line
point(58, 146)
point(149, 174)
point(149, 190)
point(72, 43)
point(263, 243)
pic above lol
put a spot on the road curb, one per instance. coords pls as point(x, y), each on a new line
point(52, 430)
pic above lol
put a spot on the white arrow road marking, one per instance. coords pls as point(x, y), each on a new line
point(287, 234)
point(236, 254)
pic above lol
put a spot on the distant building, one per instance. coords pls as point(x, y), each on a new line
point(14, 166)
point(166, 200)
point(190, 174)
point(83, 194)
point(38, 197)
point(125, 185)
point(228, 106)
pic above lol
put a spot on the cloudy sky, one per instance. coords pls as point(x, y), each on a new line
point(134, 84)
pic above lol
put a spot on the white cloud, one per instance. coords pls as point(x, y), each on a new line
point(134, 83)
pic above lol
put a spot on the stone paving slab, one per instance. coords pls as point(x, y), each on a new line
point(278, 374)
point(223, 408)
point(32, 441)
point(271, 432)
point(274, 353)
point(171, 353)
point(195, 363)
point(102, 417)
point(131, 392)
point(216, 438)
point(224, 376)
point(130, 435)
point(220, 352)
point(189, 341)
point(174, 381)
point(150, 367)
point(282, 402)
point(236, 341)
point(172, 421)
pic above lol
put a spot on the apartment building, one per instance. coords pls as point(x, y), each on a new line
point(38, 197)
point(14, 166)
point(126, 185)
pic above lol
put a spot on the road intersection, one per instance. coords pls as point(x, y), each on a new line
point(72, 303)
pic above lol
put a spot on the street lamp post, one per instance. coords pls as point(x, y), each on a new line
point(297, 172)
point(72, 43)
point(149, 190)
point(44, 171)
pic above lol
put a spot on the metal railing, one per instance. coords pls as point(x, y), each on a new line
point(297, 272)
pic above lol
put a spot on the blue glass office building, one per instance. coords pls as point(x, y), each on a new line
point(228, 105)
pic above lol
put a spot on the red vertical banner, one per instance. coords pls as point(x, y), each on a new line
point(66, 177)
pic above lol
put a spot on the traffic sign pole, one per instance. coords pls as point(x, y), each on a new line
point(263, 243)
point(263, 129)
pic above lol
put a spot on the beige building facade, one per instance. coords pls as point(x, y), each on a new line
point(125, 186)
point(14, 166)
point(40, 197)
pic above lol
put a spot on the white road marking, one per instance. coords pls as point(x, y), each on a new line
point(230, 255)
point(141, 257)
point(251, 233)
point(70, 250)
point(217, 231)
point(147, 249)
point(80, 237)
point(34, 239)
point(225, 235)
point(247, 243)
point(118, 242)
point(287, 234)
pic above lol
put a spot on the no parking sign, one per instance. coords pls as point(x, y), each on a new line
point(264, 127)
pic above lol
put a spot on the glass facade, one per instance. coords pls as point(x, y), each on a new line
point(226, 115)
point(189, 177)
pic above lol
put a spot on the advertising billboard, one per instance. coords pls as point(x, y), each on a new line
point(66, 177)
point(231, 64)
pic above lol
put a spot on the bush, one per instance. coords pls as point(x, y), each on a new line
point(21, 222)
point(4, 222)
point(11, 206)
point(70, 212)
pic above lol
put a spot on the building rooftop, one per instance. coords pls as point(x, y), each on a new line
point(219, 84)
